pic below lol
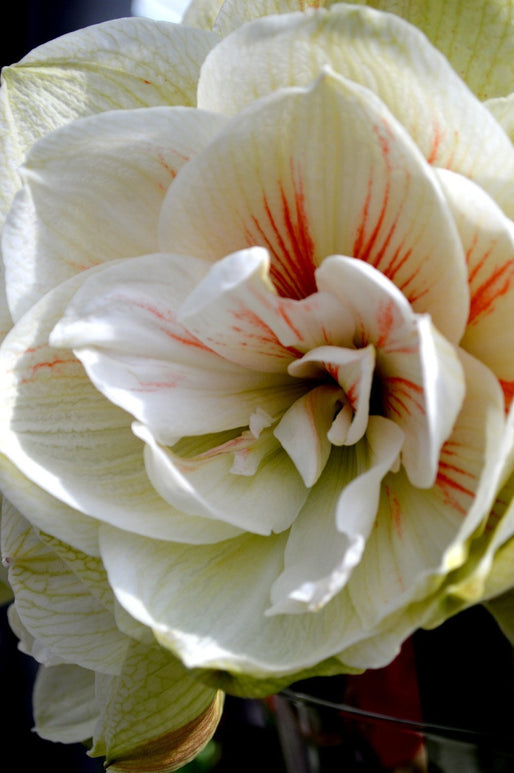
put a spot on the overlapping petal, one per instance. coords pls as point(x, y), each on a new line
point(67, 439)
point(477, 36)
point(268, 180)
point(78, 206)
point(124, 328)
point(67, 620)
point(122, 64)
point(488, 240)
point(383, 53)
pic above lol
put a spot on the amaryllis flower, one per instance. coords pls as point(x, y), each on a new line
point(255, 400)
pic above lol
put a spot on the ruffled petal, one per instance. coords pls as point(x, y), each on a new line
point(421, 535)
point(488, 240)
point(328, 538)
point(68, 439)
point(418, 381)
point(268, 179)
point(123, 326)
point(247, 482)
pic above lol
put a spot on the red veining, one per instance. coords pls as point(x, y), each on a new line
point(436, 143)
point(289, 241)
point(395, 511)
point(497, 285)
point(363, 245)
point(398, 392)
point(508, 392)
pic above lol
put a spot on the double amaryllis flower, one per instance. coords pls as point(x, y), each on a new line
point(255, 402)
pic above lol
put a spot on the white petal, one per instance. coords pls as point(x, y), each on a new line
point(207, 485)
point(353, 370)
point(316, 172)
point(65, 706)
point(124, 328)
point(391, 58)
point(68, 439)
point(57, 608)
point(93, 191)
point(488, 240)
point(418, 373)
point(303, 430)
point(329, 537)
point(121, 64)
point(421, 535)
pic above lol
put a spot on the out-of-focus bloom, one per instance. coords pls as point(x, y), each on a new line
point(256, 397)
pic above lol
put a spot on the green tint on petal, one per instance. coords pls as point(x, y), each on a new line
point(125, 63)
point(382, 52)
point(67, 621)
point(64, 703)
point(503, 110)
point(234, 13)
point(477, 36)
point(201, 13)
point(154, 716)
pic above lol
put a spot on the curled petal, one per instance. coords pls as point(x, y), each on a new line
point(268, 179)
point(216, 483)
point(419, 377)
point(329, 536)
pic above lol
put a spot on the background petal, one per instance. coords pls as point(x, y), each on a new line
point(390, 57)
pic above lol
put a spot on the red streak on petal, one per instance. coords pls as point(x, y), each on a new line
point(450, 487)
point(385, 319)
point(436, 143)
point(395, 511)
point(398, 393)
point(508, 392)
point(363, 244)
point(168, 316)
point(289, 242)
point(497, 285)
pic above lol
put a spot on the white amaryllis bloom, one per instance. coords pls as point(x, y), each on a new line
point(255, 400)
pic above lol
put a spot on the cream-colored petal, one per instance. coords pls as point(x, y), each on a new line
point(419, 382)
point(477, 36)
point(57, 608)
point(221, 482)
point(123, 326)
point(391, 58)
point(304, 427)
point(503, 110)
point(201, 13)
point(317, 172)
point(64, 703)
point(328, 538)
point(92, 193)
point(68, 439)
point(421, 536)
point(120, 64)
point(488, 240)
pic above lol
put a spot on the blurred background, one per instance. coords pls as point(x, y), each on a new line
point(32, 22)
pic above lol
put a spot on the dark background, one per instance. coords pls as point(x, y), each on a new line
point(459, 661)
point(32, 22)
